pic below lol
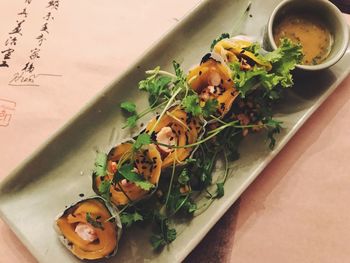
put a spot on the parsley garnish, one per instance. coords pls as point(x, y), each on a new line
point(129, 218)
point(219, 190)
point(274, 128)
point(127, 173)
point(142, 139)
point(184, 177)
point(100, 164)
point(157, 87)
point(128, 106)
point(210, 107)
point(104, 189)
point(164, 234)
point(130, 109)
point(131, 121)
point(191, 105)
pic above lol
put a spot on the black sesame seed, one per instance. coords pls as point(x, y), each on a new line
point(81, 195)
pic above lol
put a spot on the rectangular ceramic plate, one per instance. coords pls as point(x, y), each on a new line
point(39, 189)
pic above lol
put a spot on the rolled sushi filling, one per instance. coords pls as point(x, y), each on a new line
point(211, 80)
point(144, 164)
point(172, 133)
point(88, 232)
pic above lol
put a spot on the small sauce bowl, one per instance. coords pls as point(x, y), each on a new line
point(327, 13)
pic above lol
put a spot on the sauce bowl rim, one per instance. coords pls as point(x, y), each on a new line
point(331, 9)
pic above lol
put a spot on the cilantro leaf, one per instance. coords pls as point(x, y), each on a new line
point(220, 190)
point(210, 107)
point(157, 241)
point(129, 218)
point(142, 139)
point(104, 189)
point(178, 71)
point(183, 177)
point(157, 87)
point(189, 206)
point(126, 171)
point(164, 234)
point(274, 128)
point(191, 105)
point(145, 185)
point(221, 37)
point(128, 106)
point(94, 222)
point(131, 121)
point(181, 80)
point(100, 164)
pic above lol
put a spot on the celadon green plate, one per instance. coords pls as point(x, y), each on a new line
point(54, 176)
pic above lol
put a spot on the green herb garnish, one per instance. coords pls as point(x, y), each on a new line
point(142, 140)
point(128, 219)
point(94, 222)
point(215, 41)
point(126, 171)
point(100, 164)
point(104, 189)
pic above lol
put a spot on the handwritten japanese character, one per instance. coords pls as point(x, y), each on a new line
point(24, 12)
point(12, 41)
point(41, 39)
point(4, 64)
point(48, 16)
point(17, 29)
point(44, 28)
point(53, 4)
point(34, 53)
point(28, 67)
point(27, 2)
point(7, 53)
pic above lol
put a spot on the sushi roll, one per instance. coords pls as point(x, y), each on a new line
point(90, 229)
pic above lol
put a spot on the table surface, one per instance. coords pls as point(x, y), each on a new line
point(297, 209)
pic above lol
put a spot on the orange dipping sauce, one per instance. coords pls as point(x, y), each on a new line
point(314, 37)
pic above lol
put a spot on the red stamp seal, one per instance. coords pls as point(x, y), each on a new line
point(7, 109)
